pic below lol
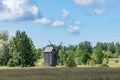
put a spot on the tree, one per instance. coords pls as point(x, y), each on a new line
point(85, 46)
point(97, 56)
point(70, 62)
point(4, 35)
point(4, 47)
point(108, 54)
point(4, 52)
point(102, 46)
point(118, 48)
point(85, 57)
point(111, 47)
point(23, 50)
point(39, 53)
point(62, 56)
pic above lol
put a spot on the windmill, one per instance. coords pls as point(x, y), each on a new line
point(51, 54)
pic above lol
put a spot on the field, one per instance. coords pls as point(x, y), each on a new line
point(60, 74)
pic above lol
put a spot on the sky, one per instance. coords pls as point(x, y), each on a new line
point(66, 21)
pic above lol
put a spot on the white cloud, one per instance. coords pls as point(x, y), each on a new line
point(73, 29)
point(77, 22)
point(88, 2)
point(98, 11)
point(65, 13)
point(42, 21)
point(84, 2)
point(18, 10)
point(58, 23)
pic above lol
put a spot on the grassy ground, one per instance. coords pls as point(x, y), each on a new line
point(83, 72)
point(112, 63)
point(60, 74)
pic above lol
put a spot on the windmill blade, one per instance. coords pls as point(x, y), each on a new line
point(50, 43)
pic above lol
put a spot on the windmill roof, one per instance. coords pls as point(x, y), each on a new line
point(48, 49)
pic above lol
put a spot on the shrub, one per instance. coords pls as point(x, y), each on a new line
point(11, 63)
point(116, 61)
point(104, 65)
point(70, 62)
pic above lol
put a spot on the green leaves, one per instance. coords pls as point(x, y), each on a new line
point(23, 49)
point(98, 56)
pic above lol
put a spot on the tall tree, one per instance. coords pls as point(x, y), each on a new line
point(4, 47)
point(118, 48)
point(86, 46)
point(4, 35)
point(102, 46)
point(23, 50)
point(111, 47)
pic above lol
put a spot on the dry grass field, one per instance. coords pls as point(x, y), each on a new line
point(60, 74)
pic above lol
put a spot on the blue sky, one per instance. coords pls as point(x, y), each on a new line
point(67, 21)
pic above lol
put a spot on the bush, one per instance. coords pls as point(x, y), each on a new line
point(11, 63)
point(116, 55)
point(70, 62)
point(104, 65)
point(116, 61)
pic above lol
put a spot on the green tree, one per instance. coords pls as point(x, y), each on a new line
point(102, 46)
point(4, 52)
point(111, 47)
point(4, 47)
point(85, 46)
point(39, 53)
point(85, 57)
point(62, 56)
point(23, 50)
point(97, 56)
point(4, 35)
point(117, 48)
point(70, 62)
point(108, 54)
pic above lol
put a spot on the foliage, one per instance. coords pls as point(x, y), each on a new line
point(70, 60)
point(111, 47)
point(116, 55)
point(85, 46)
point(39, 53)
point(85, 57)
point(4, 48)
point(118, 48)
point(20, 51)
point(62, 56)
point(102, 46)
point(23, 49)
point(116, 61)
point(98, 56)
point(104, 65)
point(12, 62)
point(4, 35)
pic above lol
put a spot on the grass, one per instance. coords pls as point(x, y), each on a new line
point(82, 72)
point(112, 62)
point(60, 74)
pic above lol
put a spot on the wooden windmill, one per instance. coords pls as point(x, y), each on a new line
point(51, 54)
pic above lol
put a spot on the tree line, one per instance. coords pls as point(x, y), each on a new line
point(85, 53)
point(19, 50)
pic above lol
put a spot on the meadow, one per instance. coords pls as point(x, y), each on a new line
point(60, 74)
